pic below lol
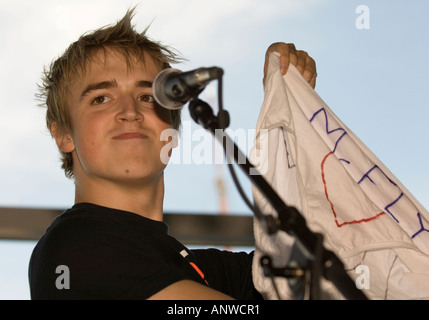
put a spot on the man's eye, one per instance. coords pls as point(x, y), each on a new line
point(147, 98)
point(100, 100)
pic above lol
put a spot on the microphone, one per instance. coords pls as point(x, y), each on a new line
point(172, 88)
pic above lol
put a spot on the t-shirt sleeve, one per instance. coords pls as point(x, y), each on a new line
point(228, 272)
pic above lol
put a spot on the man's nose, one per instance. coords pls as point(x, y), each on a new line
point(129, 110)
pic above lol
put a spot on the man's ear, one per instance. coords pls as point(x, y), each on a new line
point(64, 140)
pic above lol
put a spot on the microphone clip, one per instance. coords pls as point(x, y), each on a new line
point(202, 113)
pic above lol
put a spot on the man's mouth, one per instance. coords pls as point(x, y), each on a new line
point(130, 135)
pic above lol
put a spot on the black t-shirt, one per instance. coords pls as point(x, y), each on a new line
point(93, 252)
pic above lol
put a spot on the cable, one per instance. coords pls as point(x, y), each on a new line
point(223, 122)
point(223, 118)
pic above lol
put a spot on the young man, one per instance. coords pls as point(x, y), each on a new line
point(112, 243)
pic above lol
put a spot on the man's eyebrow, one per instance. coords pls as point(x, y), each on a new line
point(97, 86)
point(112, 84)
point(144, 84)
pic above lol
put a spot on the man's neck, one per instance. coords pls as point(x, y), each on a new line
point(144, 198)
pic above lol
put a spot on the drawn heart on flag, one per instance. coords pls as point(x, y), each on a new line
point(352, 206)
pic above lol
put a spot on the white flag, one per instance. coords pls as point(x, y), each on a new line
point(315, 163)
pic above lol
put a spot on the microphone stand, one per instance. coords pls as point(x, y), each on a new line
point(312, 256)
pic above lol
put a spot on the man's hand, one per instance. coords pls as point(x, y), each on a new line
point(300, 59)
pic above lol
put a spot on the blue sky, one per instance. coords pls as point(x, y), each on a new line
point(374, 79)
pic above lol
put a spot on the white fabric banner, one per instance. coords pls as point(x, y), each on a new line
point(318, 165)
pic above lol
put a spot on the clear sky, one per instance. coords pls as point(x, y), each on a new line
point(376, 81)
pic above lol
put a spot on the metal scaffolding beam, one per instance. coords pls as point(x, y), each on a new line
point(190, 229)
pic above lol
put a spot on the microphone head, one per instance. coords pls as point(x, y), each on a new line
point(159, 93)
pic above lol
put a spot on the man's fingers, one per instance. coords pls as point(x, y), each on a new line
point(307, 66)
point(289, 55)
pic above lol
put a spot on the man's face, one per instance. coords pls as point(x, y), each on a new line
point(116, 125)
